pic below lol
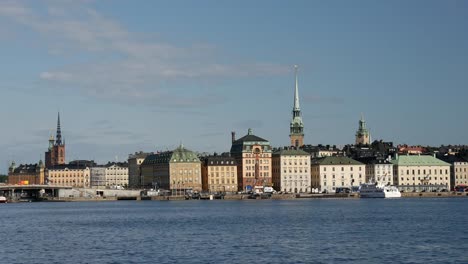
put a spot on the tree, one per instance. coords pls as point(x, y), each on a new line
point(3, 178)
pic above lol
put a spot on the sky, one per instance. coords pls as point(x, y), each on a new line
point(149, 75)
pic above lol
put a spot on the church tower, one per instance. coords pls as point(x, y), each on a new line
point(362, 135)
point(296, 128)
point(55, 155)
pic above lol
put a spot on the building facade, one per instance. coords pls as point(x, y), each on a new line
point(134, 170)
point(291, 170)
point(175, 170)
point(421, 172)
point(296, 127)
point(116, 174)
point(97, 177)
point(253, 157)
point(55, 155)
point(219, 174)
point(26, 174)
point(329, 173)
point(460, 173)
point(458, 170)
point(75, 174)
point(362, 134)
point(378, 170)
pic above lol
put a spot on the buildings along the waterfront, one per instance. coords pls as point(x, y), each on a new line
point(291, 170)
point(421, 172)
point(175, 170)
point(219, 173)
point(329, 173)
point(253, 157)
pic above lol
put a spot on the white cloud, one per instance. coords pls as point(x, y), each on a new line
point(144, 68)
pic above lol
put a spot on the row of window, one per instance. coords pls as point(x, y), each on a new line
point(222, 168)
point(290, 177)
point(423, 172)
point(222, 181)
point(251, 168)
point(342, 183)
point(262, 174)
point(184, 172)
point(67, 176)
point(181, 181)
point(261, 161)
point(261, 155)
point(222, 162)
point(222, 174)
point(460, 169)
point(291, 162)
point(342, 176)
point(342, 168)
point(419, 178)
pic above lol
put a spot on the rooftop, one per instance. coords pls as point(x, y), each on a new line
point(336, 160)
point(290, 152)
point(418, 160)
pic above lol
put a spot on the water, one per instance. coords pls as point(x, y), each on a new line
point(254, 231)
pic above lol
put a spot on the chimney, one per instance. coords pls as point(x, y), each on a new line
point(233, 136)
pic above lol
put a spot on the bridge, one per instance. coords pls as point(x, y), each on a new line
point(30, 192)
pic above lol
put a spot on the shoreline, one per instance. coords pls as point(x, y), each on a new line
point(239, 197)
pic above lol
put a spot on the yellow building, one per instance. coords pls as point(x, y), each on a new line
point(421, 172)
point(75, 174)
point(175, 170)
point(219, 174)
point(329, 173)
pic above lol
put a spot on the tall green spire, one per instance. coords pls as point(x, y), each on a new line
point(296, 127)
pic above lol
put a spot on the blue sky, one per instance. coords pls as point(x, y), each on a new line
point(147, 75)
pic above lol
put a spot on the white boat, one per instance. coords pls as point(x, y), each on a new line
point(373, 190)
point(3, 199)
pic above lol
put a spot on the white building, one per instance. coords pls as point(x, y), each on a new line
point(291, 171)
point(329, 173)
point(378, 170)
point(116, 174)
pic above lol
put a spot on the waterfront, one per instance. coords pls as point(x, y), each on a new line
point(300, 231)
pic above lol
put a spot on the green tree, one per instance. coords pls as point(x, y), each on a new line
point(3, 178)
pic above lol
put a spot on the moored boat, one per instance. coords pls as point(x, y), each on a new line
point(372, 190)
point(3, 199)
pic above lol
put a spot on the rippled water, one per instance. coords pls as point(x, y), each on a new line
point(255, 231)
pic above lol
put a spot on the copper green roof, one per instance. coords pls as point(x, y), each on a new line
point(178, 155)
point(336, 160)
point(418, 160)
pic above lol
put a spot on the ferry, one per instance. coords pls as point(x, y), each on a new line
point(373, 190)
point(3, 199)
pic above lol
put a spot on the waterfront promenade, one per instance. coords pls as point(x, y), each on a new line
point(33, 193)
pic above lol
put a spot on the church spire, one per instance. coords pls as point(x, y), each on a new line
point(296, 128)
point(362, 134)
point(296, 91)
point(58, 138)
